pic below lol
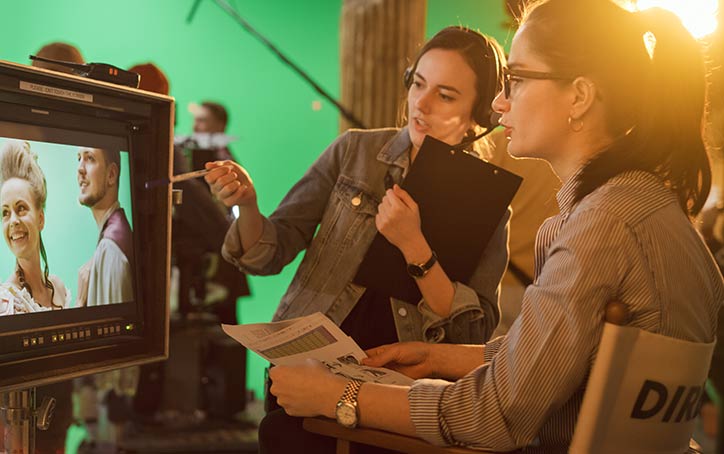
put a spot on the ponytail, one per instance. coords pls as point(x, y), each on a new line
point(675, 100)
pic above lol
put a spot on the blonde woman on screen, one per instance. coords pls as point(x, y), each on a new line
point(23, 192)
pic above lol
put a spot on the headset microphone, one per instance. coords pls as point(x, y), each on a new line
point(494, 122)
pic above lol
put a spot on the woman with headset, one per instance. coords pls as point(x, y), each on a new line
point(351, 192)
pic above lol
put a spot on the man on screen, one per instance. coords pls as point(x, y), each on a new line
point(107, 277)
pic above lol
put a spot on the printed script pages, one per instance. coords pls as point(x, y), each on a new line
point(290, 342)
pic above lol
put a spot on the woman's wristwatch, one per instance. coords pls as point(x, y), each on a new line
point(347, 411)
point(418, 270)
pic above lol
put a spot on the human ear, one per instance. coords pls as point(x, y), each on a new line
point(584, 94)
point(112, 175)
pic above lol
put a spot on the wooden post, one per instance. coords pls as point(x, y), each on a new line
point(378, 39)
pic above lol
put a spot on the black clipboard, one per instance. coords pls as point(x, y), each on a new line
point(461, 199)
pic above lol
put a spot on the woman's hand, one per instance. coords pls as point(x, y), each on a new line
point(422, 360)
point(413, 359)
point(230, 183)
point(309, 389)
point(398, 220)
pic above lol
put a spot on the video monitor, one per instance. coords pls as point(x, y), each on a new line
point(84, 260)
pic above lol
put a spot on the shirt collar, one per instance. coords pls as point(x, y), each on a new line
point(567, 194)
point(637, 178)
point(395, 150)
point(116, 205)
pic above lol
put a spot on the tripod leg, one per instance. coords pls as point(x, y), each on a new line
point(16, 409)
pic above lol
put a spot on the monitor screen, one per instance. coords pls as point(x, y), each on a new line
point(84, 259)
point(77, 208)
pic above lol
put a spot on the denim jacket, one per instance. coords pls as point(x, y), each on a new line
point(331, 212)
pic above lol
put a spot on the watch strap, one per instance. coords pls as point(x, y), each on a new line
point(427, 265)
point(351, 391)
point(349, 399)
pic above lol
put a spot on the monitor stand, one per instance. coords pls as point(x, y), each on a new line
point(20, 418)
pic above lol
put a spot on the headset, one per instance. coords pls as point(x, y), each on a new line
point(487, 85)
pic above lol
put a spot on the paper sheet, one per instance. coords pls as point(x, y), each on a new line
point(315, 336)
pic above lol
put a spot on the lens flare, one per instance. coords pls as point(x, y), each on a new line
point(698, 16)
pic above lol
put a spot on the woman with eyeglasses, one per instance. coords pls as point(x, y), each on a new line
point(620, 120)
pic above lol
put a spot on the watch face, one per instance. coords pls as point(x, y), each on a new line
point(418, 270)
point(346, 414)
point(415, 270)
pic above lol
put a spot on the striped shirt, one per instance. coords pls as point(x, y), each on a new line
point(627, 241)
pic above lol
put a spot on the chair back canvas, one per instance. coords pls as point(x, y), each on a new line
point(643, 393)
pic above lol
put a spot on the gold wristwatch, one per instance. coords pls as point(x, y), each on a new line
point(347, 411)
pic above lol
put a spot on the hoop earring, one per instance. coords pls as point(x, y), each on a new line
point(571, 124)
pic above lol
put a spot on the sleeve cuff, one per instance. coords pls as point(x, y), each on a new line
point(465, 300)
point(257, 256)
point(424, 398)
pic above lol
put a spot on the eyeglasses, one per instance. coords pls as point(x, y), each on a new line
point(511, 74)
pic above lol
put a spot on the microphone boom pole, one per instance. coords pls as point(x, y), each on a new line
point(224, 5)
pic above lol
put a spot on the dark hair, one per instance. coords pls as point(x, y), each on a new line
point(653, 101)
point(218, 111)
point(152, 78)
point(58, 51)
point(484, 56)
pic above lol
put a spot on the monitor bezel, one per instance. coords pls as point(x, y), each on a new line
point(123, 334)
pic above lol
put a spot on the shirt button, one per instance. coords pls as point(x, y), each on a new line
point(402, 311)
point(356, 201)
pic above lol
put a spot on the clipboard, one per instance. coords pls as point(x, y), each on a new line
point(461, 199)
